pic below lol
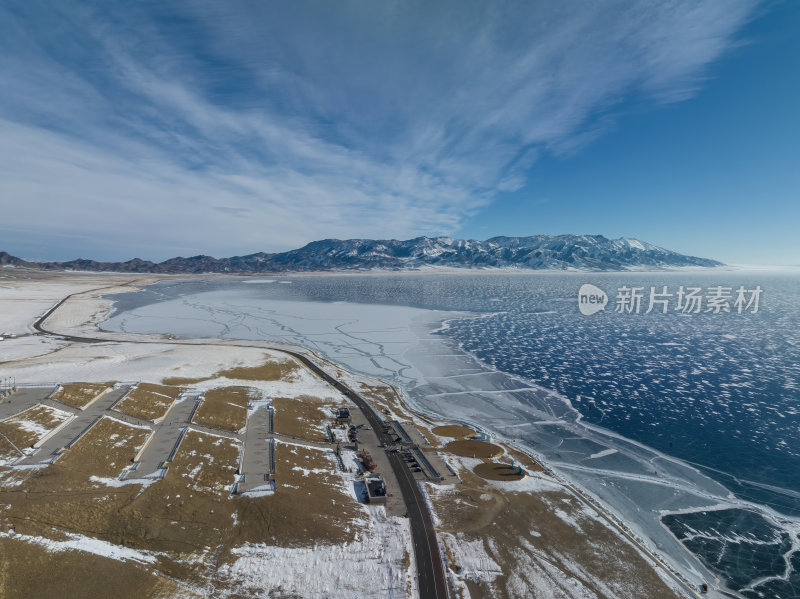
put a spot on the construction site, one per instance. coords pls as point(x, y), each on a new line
point(41, 424)
point(155, 467)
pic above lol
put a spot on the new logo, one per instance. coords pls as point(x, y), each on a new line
point(591, 299)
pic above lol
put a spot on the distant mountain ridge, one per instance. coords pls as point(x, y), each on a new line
point(537, 252)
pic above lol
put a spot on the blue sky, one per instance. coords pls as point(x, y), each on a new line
point(155, 129)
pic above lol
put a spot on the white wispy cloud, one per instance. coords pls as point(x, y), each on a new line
point(234, 127)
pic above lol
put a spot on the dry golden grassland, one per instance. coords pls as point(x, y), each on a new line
point(79, 394)
point(149, 401)
point(498, 471)
point(63, 498)
point(304, 417)
point(524, 535)
point(206, 463)
point(180, 381)
point(224, 408)
point(455, 431)
point(192, 506)
point(41, 415)
point(382, 395)
point(468, 448)
point(12, 441)
point(274, 370)
point(188, 514)
point(26, 428)
point(109, 448)
point(527, 462)
point(188, 520)
point(28, 570)
point(315, 502)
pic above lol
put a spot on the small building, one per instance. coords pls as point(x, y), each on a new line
point(376, 490)
point(343, 415)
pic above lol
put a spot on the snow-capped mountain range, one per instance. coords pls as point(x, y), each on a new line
point(538, 252)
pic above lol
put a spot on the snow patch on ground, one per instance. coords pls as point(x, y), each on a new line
point(470, 560)
point(32, 427)
point(431, 491)
point(263, 490)
point(128, 424)
point(529, 484)
point(78, 542)
point(302, 383)
point(568, 518)
point(116, 361)
point(537, 577)
point(115, 482)
point(21, 348)
point(602, 454)
point(372, 566)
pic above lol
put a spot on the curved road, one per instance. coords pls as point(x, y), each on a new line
point(430, 569)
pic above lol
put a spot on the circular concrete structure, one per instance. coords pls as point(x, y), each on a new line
point(467, 448)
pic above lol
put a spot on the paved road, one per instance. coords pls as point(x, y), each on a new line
point(164, 440)
point(257, 460)
point(430, 569)
point(22, 400)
